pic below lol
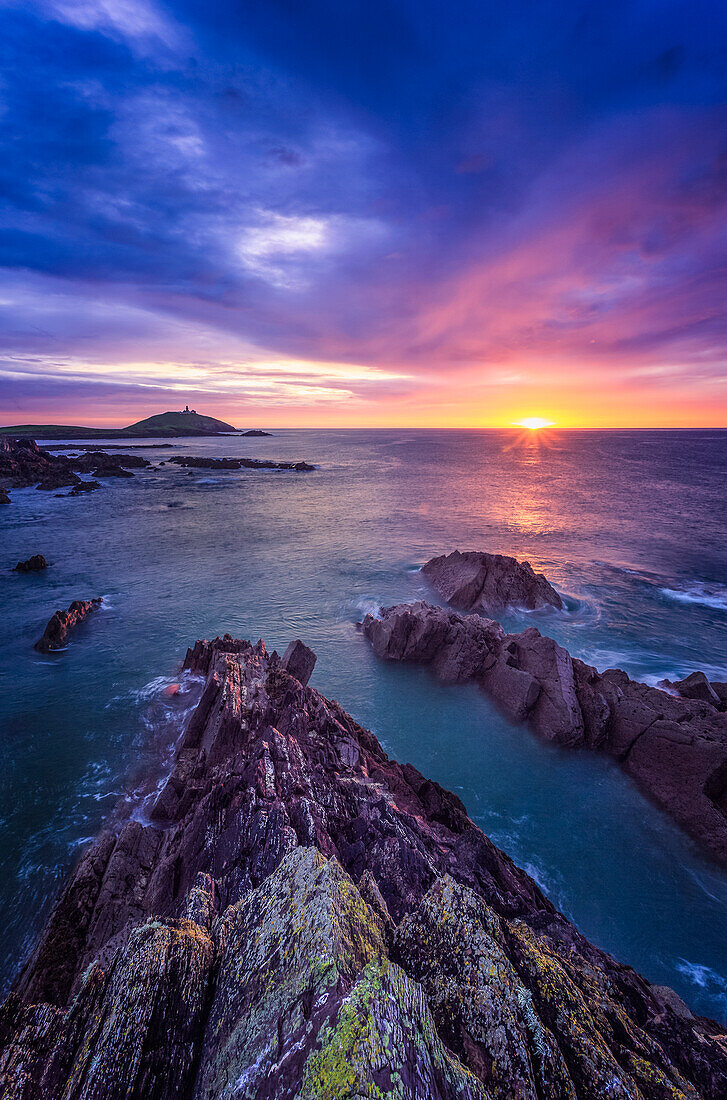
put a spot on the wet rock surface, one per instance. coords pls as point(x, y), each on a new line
point(60, 625)
point(675, 748)
point(304, 917)
point(489, 583)
point(34, 564)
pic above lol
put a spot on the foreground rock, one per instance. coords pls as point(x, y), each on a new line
point(489, 583)
point(303, 917)
point(62, 623)
point(33, 564)
point(675, 748)
point(203, 462)
point(299, 661)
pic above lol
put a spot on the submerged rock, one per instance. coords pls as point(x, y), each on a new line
point(306, 918)
point(58, 479)
point(676, 748)
point(489, 583)
point(83, 487)
point(33, 564)
point(61, 623)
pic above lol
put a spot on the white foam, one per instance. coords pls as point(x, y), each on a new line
point(367, 605)
point(708, 595)
point(157, 687)
point(704, 977)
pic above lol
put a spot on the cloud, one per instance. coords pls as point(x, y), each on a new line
point(454, 205)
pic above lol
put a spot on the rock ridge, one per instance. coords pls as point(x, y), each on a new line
point(298, 916)
point(674, 747)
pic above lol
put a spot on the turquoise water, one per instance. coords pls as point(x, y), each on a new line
point(630, 526)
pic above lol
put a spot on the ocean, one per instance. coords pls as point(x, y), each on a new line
point(629, 526)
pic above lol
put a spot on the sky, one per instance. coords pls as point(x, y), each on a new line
point(364, 213)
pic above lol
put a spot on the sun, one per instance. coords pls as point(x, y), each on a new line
point(533, 423)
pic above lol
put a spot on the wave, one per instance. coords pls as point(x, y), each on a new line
point(368, 605)
point(707, 595)
point(705, 978)
point(159, 687)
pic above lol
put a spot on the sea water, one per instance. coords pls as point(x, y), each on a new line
point(630, 526)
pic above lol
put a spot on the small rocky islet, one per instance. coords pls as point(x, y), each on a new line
point(298, 916)
point(61, 623)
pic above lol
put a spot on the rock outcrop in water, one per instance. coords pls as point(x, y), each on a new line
point(34, 564)
point(204, 462)
point(676, 749)
point(302, 917)
point(23, 463)
point(489, 583)
point(62, 623)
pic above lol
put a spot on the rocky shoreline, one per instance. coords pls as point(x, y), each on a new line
point(23, 463)
point(300, 916)
point(61, 623)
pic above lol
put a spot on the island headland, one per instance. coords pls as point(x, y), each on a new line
point(296, 915)
point(188, 422)
point(673, 742)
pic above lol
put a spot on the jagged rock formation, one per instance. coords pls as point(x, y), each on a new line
point(204, 462)
point(299, 661)
point(33, 564)
point(305, 918)
point(23, 463)
point(489, 583)
point(675, 748)
point(55, 635)
point(697, 686)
